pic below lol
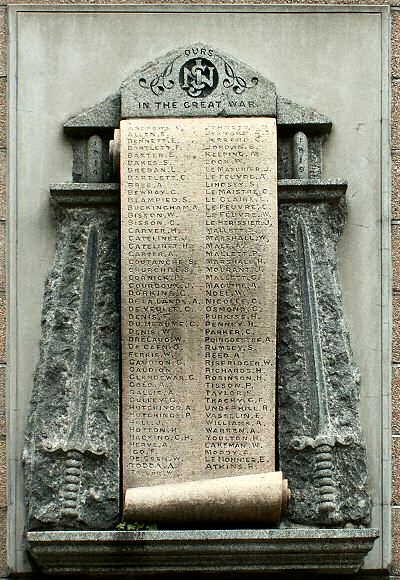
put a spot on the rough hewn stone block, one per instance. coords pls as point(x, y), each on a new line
point(396, 540)
point(396, 470)
point(395, 44)
point(3, 183)
point(396, 256)
point(3, 112)
point(396, 186)
point(82, 309)
point(396, 400)
point(3, 475)
point(396, 115)
point(3, 42)
point(2, 401)
point(3, 542)
point(2, 329)
point(2, 256)
point(396, 328)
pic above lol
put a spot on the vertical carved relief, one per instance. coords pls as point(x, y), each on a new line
point(320, 439)
point(300, 156)
point(72, 451)
point(323, 437)
point(72, 447)
point(95, 159)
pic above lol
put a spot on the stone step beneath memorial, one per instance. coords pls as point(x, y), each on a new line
point(235, 552)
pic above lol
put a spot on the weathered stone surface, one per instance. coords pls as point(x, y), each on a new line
point(2, 256)
point(395, 185)
point(395, 132)
point(236, 552)
point(396, 401)
point(395, 22)
point(286, 157)
point(289, 113)
point(396, 328)
point(2, 401)
point(320, 440)
point(395, 569)
point(318, 455)
point(105, 115)
point(85, 195)
point(209, 2)
point(198, 291)
point(396, 257)
point(3, 183)
point(3, 475)
point(396, 470)
point(71, 456)
point(3, 112)
point(311, 191)
point(300, 165)
point(82, 164)
point(3, 42)
point(197, 81)
point(3, 329)
point(4, 570)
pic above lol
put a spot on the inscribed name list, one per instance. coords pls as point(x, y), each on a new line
point(199, 263)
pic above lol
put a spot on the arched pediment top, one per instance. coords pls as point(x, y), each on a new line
point(196, 81)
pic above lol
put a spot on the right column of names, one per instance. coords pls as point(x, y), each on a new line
point(240, 301)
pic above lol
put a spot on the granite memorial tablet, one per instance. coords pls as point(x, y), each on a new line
point(202, 134)
point(199, 261)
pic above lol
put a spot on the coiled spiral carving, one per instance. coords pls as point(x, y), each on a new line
point(71, 487)
point(324, 475)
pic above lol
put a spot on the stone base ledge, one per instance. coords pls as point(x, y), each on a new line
point(238, 552)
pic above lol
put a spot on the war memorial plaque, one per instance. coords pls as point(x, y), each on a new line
point(199, 260)
point(198, 268)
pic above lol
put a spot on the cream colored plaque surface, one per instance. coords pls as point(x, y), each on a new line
point(199, 259)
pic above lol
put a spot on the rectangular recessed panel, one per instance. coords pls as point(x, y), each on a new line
point(199, 259)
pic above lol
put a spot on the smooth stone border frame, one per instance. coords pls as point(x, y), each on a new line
point(15, 530)
point(239, 552)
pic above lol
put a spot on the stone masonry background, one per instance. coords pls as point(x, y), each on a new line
point(395, 147)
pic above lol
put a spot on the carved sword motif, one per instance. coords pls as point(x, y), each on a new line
point(77, 443)
point(83, 349)
point(324, 436)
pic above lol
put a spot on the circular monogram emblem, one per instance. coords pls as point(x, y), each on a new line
point(198, 77)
